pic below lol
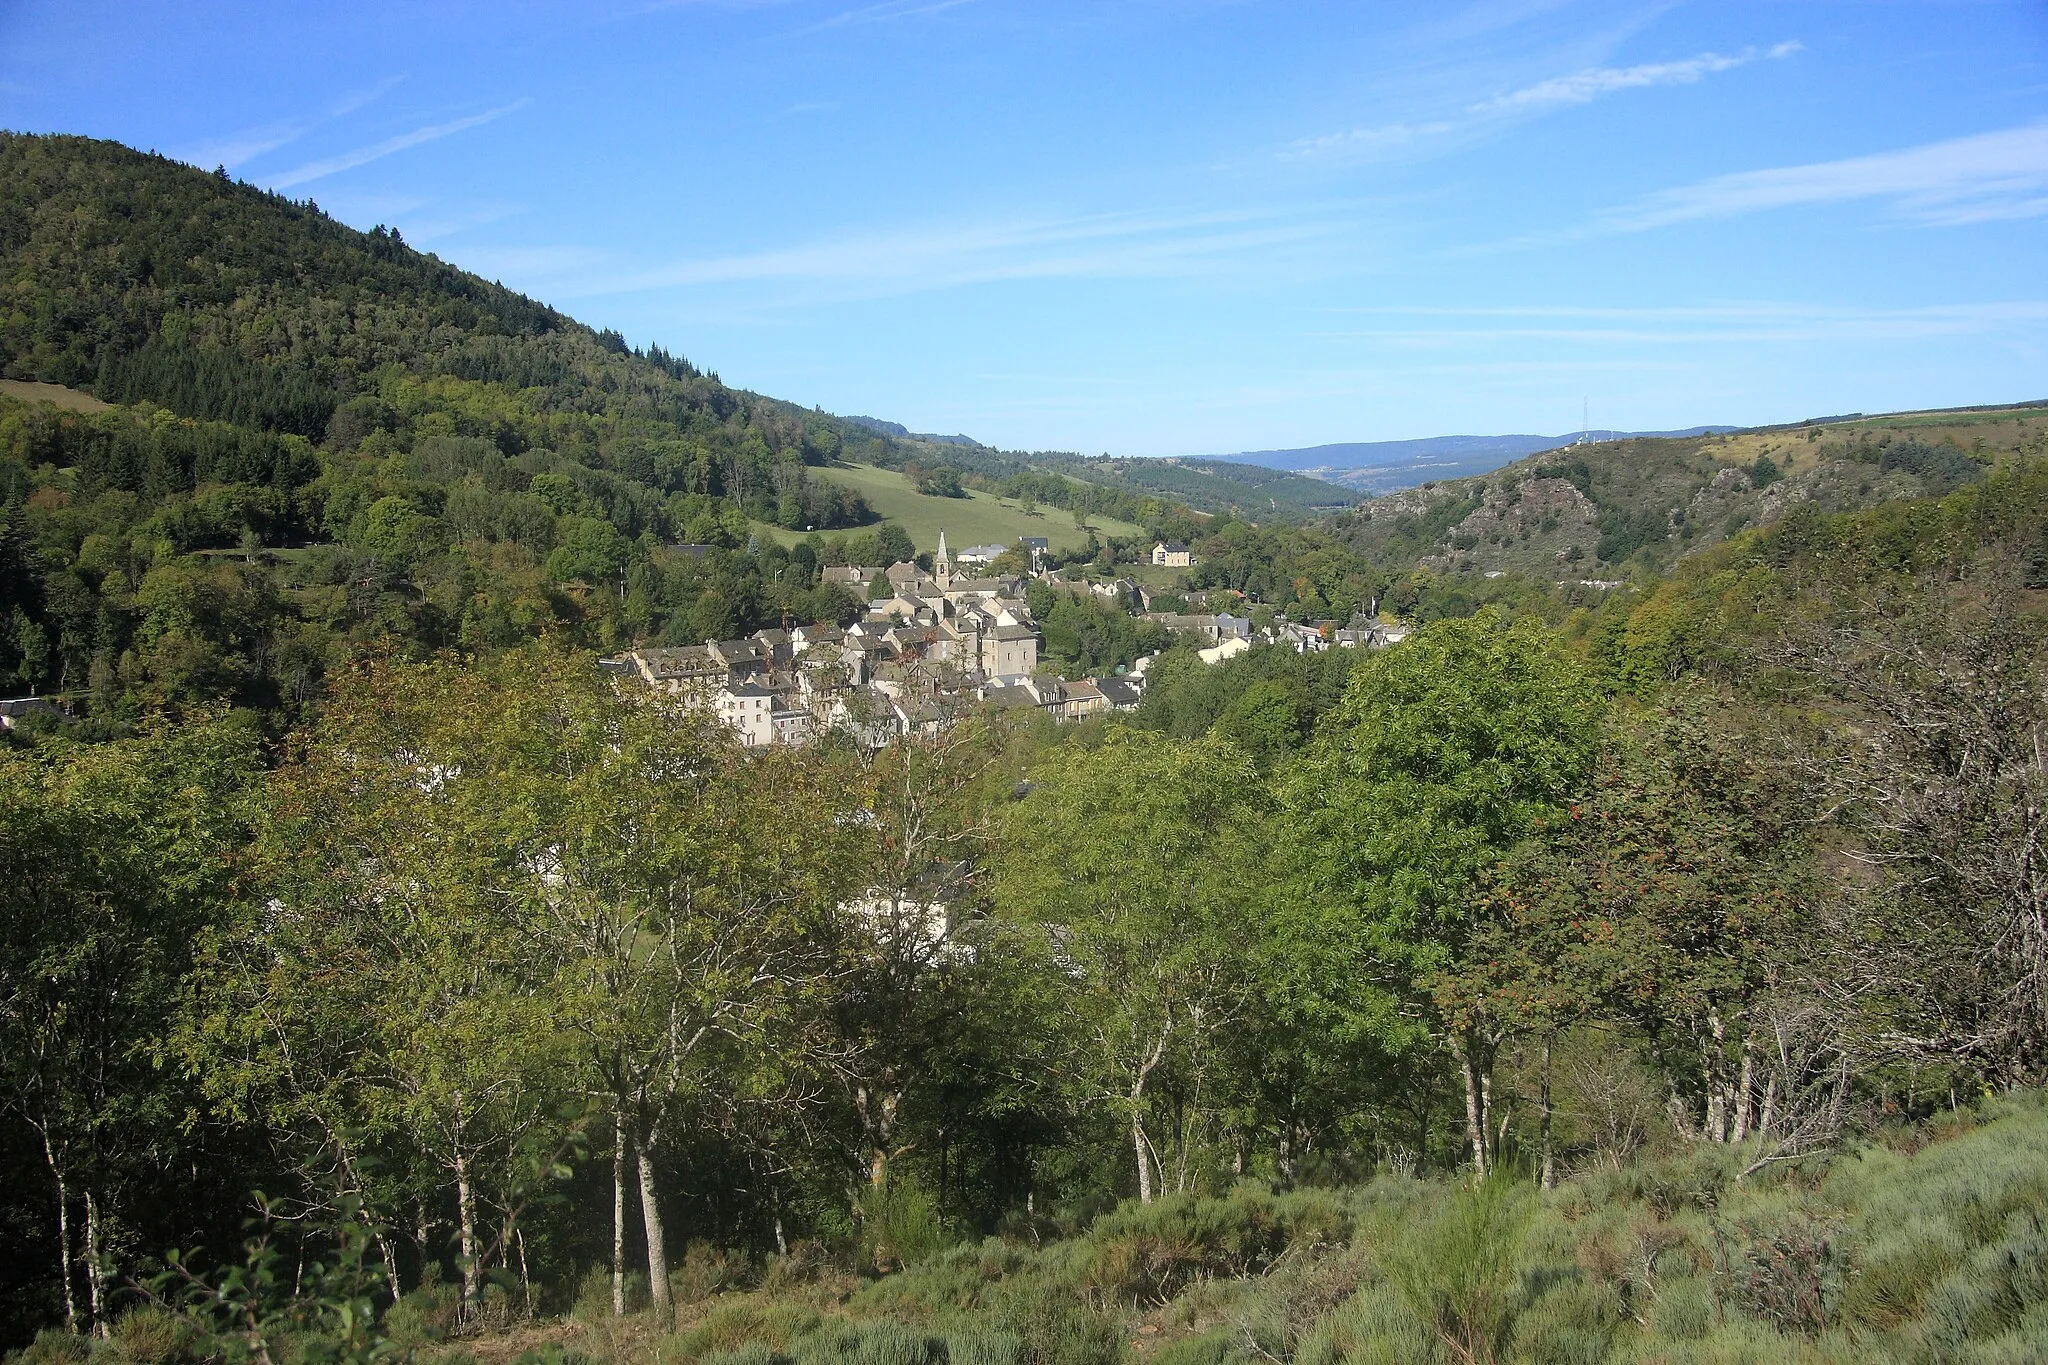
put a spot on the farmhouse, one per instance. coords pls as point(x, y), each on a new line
point(1171, 554)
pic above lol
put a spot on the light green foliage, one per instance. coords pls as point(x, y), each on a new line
point(1457, 1272)
point(1132, 859)
point(1444, 753)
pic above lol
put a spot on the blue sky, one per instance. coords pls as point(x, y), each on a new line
point(1156, 227)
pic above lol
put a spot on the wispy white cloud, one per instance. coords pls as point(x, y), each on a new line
point(233, 150)
point(1740, 323)
point(1579, 87)
point(1972, 179)
point(887, 10)
point(423, 219)
point(1583, 87)
point(362, 156)
point(920, 259)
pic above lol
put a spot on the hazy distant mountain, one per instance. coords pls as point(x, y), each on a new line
point(1386, 466)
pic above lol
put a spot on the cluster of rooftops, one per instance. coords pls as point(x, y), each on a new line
point(937, 644)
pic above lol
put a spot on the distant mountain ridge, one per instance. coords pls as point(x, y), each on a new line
point(903, 433)
point(1387, 466)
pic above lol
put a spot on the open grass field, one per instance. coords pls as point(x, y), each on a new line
point(28, 391)
point(977, 519)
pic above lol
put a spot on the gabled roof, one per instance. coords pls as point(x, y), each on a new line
point(1120, 691)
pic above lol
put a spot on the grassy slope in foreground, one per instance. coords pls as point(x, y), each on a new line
point(977, 519)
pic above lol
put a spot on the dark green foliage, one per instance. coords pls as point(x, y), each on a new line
point(1623, 531)
point(1940, 468)
point(1268, 699)
point(1087, 635)
point(217, 385)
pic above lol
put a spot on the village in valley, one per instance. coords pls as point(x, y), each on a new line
point(937, 640)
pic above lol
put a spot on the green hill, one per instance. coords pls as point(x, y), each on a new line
point(239, 439)
point(1610, 508)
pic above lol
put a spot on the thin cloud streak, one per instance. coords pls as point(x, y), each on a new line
point(886, 11)
point(921, 260)
point(1721, 324)
point(1742, 311)
point(1580, 87)
point(1963, 180)
point(235, 149)
point(1584, 87)
point(362, 156)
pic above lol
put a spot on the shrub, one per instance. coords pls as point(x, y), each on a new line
point(881, 1342)
point(746, 1320)
point(978, 1345)
point(899, 1224)
point(427, 1315)
point(1457, 1273)
point(1684, 1310)
point(53, 1346)
point(1148, 1253)
point(706, 1270)
point(150, 1335)
point(1573, 1324)
point(1376, 1327)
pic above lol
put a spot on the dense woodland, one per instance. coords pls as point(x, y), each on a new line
point(1657, 973)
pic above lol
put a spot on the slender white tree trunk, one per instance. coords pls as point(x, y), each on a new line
point(1139, 1147)
point(525, 1280)
point(63, 1234)
point(1744, 1110)
point(1549, 1177)
point(1475, 1113)
point(618, 1216)
point(95, 1268)
point(465, 1212)
point(1717, 1079)
point(657, 1249)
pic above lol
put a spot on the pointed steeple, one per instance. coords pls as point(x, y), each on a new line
point(942, 567)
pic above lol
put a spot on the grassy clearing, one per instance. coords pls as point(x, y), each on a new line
point(977, 519)
point(29, 391)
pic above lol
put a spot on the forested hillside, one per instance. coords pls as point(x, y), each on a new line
point(322, 437)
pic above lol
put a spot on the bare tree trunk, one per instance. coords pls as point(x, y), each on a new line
point(1745, 1111)
point(525, 1280)
point(390, 1263)
point(465, 1214)
point(618, 1215)
point(63, 1234)
point(1716, 1078)
point(657, 1249)
point(95, 1269)
point(1475, 1113)
point(1549, 1177)
point(1139, 1146)
point(878, 1126)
